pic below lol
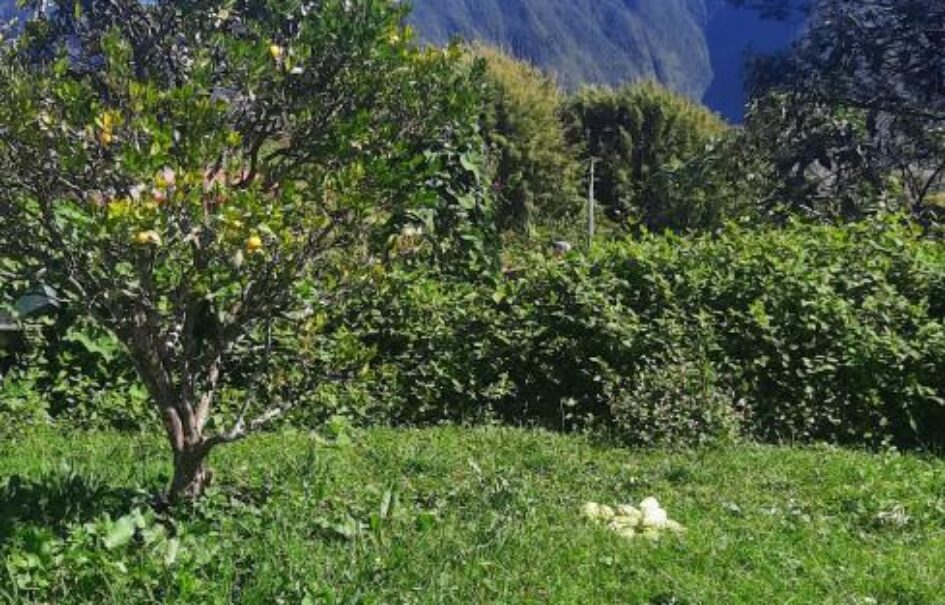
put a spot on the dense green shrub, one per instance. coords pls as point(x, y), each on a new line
point(827, 332)
point(639, 132)
point(806, 333)
point(803, 333)
point(676, 401)
point(536, 174)
point(57, 366)
point(73, 372)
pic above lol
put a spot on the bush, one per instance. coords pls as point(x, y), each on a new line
point(536, 172)
point(676, 402)
point(806, 333)
point(639, 132)
point(65, 369)
point(827, 333)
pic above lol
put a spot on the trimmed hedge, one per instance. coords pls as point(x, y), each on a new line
point(804, 333)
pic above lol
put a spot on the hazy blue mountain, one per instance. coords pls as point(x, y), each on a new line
point(8, 10)
point(694, 46)
point(600, 41)
point(732, 34)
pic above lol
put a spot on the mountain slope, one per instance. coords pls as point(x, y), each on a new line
point(693, 46)
point(8, 10)
point(582, 41)
point(732, 35)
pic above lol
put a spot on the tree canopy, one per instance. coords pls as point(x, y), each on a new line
point(536, 175)
point(194, 173)
point(877, 68)
point(637, 132)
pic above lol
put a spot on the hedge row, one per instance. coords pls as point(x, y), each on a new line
point(804, 333)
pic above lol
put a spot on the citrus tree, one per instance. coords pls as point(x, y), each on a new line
point(195, 173)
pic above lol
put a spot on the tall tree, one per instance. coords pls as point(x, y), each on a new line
point(194, 173)
point(879, 62)
point(637, 132)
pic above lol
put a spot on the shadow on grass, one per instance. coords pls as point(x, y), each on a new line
point(60, 501)
point(57, 501)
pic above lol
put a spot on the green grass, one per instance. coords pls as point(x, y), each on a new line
point(475, 516)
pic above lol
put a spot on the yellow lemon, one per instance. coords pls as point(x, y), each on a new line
point(276, 51)
point(106, 120)
point(145, 238)
point(254, 244)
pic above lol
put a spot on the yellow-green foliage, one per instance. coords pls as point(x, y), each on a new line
point(536, 173)
point(937, 199)
point(638, 132)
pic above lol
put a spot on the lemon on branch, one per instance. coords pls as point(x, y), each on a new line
point(254, 244)
point(147, 238)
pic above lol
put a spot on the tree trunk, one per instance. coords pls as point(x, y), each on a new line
point(192, 476)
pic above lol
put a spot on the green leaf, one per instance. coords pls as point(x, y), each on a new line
point(121, 532)
point(170, 554)
point(386, 503)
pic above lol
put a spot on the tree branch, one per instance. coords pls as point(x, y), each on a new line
point(242, 429)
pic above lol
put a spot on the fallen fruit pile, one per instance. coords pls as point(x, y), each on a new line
point(649, 520)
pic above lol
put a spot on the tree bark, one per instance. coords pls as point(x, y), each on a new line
point(192, 476)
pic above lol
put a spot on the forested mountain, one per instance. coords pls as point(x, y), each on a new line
point(696, 47)
point(605, 41)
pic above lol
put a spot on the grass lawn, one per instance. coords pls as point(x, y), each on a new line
point(466, 516)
